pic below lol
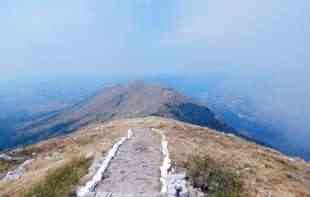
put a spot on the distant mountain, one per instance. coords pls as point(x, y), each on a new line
point(135, 99)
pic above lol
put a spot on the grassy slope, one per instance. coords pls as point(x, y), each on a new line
point(261, 170)
point(61, 181)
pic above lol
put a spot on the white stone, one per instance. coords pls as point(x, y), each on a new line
point(171, 182)
point(90, 185)
point(18, 172)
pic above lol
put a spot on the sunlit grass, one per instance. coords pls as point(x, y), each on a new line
point(6, 166)
point(60, 182)
point(212, 178)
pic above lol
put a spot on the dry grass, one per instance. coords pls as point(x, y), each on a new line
point(262, 171)
point(54, 153)
point(26, 152)
point(5, 166)
point(212, 178)
point(61, 182)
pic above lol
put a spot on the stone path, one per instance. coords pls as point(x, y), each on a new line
point(135, 169)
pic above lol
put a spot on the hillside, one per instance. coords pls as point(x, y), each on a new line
point(136, 99)
point(262, 171)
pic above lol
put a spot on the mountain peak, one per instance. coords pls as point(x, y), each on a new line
point(131, 100)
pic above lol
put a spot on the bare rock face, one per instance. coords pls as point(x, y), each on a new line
point(136, 99)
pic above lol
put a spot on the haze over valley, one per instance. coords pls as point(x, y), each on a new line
point(30, 99)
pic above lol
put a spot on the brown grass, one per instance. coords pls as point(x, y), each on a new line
point(262, 171)
point(6, 166)
point(212, 178)
point(61, 181)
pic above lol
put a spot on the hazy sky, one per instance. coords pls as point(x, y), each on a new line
point(143, 34)
point(262, 46)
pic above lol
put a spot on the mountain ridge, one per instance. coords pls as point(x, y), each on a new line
point(132, 100)
point(262, 171)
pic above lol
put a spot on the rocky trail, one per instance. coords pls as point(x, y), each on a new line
point(139, 168)
point(135, 169)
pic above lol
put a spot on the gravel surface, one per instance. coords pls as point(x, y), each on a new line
point(135, 169)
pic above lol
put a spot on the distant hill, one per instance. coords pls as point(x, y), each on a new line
point(135, 99)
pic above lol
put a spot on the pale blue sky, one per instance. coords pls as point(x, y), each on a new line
point(129, 35)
